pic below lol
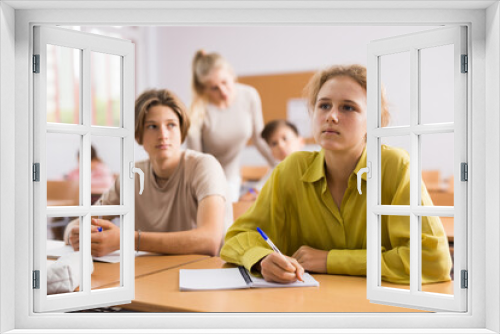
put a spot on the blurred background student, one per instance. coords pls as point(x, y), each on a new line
point(283, 139)
point(183, 209)
point(101, 177)
point(225, 115)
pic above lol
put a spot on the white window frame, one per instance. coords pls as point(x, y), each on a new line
point(86, 43)
point(412, 44)
point(483, 123)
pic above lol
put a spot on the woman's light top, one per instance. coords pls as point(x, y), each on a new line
point(225, 132)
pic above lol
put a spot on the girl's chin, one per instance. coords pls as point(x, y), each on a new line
point(164, 155)
point(329, 146)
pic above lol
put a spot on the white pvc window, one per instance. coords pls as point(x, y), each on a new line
point(428, 67)
point(69, 115)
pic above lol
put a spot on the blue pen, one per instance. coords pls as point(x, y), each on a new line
point(269, 242)
point(273, 246)
point(99, 228)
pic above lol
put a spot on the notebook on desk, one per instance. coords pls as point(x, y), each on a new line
point(231, 278)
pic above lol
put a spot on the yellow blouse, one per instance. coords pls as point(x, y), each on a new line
point(296, 208)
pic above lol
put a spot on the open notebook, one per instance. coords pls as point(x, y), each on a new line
point(231, 278)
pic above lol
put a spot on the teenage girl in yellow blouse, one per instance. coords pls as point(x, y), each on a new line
point(310, 206)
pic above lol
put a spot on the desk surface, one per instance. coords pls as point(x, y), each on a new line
point(108, 274)
point(159, 292)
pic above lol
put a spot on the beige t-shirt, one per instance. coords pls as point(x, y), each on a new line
point(225, 132)
point(174, 206)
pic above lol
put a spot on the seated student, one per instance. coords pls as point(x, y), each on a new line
point(310, 207)
point(100, 175)
point(183, 209)
point(283, 138)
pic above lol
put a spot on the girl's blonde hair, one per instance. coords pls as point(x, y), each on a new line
point(203, 64)
point(355, 72)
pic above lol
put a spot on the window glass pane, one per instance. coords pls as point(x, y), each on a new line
point(105, 89)
point(395, 252)
point(105, 167)
point(63, 169)
point(395, 79)
point(437, 160)
point(107, 266)
point(433, 227)
point(437, 84)
point(62, 261)
point(390, 168)
point(63, 84)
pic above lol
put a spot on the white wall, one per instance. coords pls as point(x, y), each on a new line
point(263, 50)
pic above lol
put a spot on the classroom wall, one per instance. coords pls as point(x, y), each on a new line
point(165, 54)
point(262, 50)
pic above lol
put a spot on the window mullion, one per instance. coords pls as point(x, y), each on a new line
point(414, 171)
point(85, 181)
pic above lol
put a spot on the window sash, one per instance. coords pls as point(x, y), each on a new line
point(86, 297)
point(414, 298)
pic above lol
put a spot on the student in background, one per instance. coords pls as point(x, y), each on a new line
point(310, 206)
point(183, 208)
point(100, 175)
point(283, 139)
point(225, 115)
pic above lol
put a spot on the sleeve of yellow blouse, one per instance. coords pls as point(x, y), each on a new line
point(436, 258)
point(346, 262)
point(436, 261)
point(243, 244)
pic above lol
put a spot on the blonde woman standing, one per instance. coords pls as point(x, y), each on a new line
point(225, 115)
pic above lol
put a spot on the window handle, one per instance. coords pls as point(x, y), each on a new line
point(139, 171)
point(368, 171)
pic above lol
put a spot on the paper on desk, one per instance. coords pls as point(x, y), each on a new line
point(231, 278)
point(57, 248)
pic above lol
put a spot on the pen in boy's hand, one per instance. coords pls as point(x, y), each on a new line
point(97, 229)
point(273, 246)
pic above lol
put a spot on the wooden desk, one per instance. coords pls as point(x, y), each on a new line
point(108, 274)
point(159, 292)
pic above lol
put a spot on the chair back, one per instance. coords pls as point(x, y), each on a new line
point(432, 179)
point(253, 173)
point(63, 191)
point(240, 208)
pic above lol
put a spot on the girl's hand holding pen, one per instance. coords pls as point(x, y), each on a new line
point(280, 268)
point(277, 267)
